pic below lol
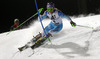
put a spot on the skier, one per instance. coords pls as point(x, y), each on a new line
point(54, 27)
point(16, 23)
point(56, 19)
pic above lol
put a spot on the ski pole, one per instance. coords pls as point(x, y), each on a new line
point(85, 26)
point(41, 21)
point(40, 10)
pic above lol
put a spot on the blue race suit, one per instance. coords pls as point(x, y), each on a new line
point(56, 21)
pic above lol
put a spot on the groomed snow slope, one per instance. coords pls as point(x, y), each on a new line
point(69, 43)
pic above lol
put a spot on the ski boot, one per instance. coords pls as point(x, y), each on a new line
point(30, 43)
point(40, 41)
point(37, 37)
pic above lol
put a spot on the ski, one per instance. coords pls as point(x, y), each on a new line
point(35, 42)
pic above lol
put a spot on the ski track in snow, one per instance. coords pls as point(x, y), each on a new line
point(69, 43)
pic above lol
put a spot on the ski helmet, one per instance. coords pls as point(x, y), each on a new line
point(50, 4)
point(16, 20)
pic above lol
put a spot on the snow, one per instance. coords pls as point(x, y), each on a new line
point(69, 43)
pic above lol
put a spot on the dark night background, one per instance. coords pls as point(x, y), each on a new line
point(23, 9)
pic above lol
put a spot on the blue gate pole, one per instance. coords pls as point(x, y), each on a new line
point(41, 21)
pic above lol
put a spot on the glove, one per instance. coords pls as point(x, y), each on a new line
point(73, 24)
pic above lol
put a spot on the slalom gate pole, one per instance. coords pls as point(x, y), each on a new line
point(41, 21)
point(40, 10)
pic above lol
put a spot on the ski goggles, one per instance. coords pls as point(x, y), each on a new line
point(50, 9)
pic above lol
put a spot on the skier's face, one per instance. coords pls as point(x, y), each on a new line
point(50, 9)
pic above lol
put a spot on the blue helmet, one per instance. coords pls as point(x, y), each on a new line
point(50, 4)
